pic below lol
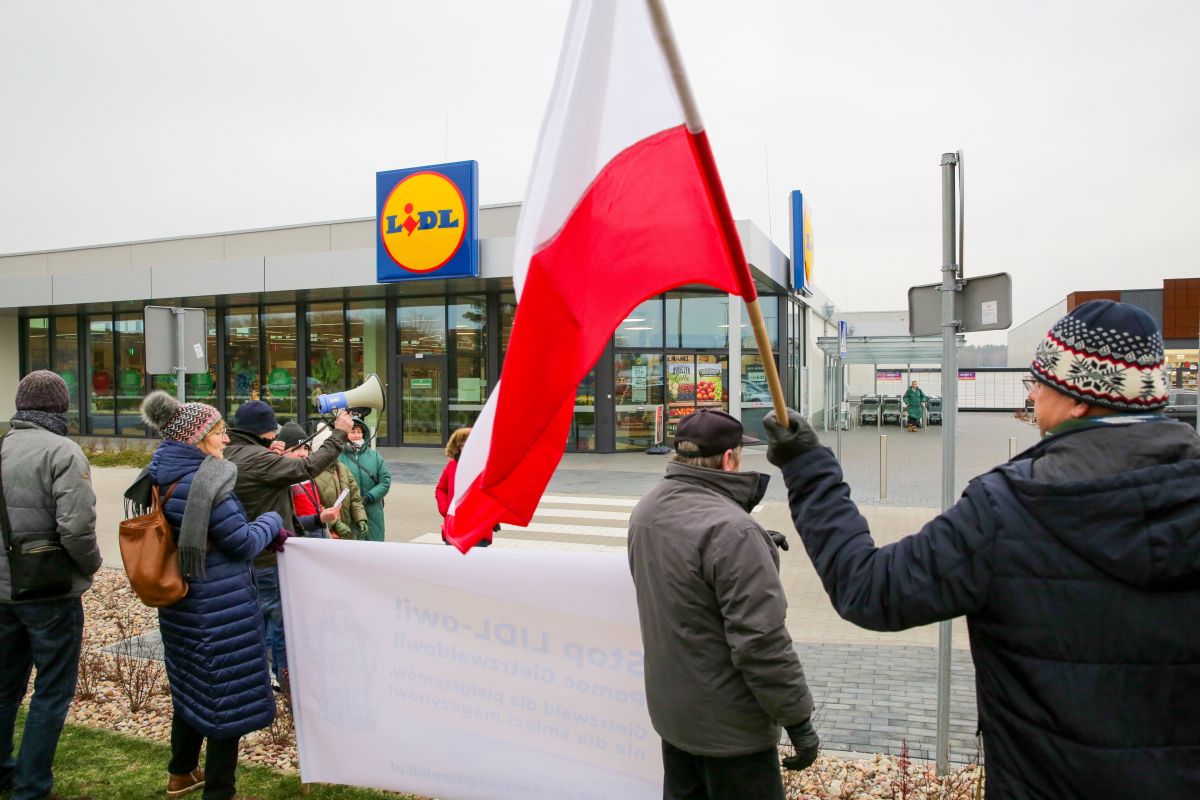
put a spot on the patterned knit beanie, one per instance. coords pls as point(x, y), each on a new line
point(187, 422)
point(1105, 354)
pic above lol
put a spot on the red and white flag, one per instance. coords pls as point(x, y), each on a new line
point(624, 203)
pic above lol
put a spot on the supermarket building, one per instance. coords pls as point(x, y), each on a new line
point(297, 311)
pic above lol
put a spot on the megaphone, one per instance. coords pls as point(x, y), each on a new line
point(368, 394)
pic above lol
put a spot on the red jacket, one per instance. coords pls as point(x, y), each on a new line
point(445, 487)
point(306, 499)
point(445, 493)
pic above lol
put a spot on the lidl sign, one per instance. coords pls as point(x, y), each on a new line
point(427, 222)
point(802, 244)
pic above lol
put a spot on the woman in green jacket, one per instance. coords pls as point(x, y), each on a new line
point(368, 470)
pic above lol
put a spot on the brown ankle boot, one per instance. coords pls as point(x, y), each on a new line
point(179, 785)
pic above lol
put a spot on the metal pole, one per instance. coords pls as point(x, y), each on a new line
point(949, 425)
point(180, 335)
point(1012, 447)
point(837, 419)
point(883, 466)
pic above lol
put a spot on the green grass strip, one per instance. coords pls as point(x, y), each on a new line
point(111, 766)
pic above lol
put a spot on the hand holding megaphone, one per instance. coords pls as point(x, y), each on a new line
point(342, 421)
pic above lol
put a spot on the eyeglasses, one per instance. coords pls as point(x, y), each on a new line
point(1030, 383)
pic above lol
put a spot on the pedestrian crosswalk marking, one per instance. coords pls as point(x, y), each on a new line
point(625, 502)
point(581, 513)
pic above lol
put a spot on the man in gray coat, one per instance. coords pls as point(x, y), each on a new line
point(721, 673)
point(48, 491)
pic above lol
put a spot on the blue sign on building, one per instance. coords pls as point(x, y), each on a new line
point(427, 222)
point(802, 244)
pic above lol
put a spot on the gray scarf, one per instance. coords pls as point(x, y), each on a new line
point(211, 484)
point(52, 421)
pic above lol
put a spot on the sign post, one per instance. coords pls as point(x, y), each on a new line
point(176, 343)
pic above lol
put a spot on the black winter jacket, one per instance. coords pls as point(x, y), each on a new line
point(1077, 566)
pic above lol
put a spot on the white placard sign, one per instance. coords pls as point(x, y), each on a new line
point(501, 674)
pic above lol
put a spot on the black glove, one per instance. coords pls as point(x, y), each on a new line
point(807, 745)
point(779, 539)
point(784, 444)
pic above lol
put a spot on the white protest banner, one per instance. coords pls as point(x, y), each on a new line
point(501, 674)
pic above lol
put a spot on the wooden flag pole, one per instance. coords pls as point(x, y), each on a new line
point(691, 113)
point(768, 361)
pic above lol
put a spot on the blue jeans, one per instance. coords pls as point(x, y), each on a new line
point(47, 635)
point(267, 581)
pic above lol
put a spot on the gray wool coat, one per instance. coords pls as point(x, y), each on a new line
point(48, 489)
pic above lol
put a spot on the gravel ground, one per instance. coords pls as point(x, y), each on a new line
point(113, 614)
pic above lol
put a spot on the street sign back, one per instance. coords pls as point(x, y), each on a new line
point(984, 304)
point(162, 340)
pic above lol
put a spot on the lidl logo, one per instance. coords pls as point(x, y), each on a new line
point(427, 222)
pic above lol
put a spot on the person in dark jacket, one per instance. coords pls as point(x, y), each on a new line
point(371, 474)
point(213, 639)
point(264, 483)
point(1076, 564)
point(721, 673)
point(48, 493)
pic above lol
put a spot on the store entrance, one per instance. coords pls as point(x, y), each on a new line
point(422, 400)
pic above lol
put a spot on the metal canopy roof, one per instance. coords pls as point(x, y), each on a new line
point(888, 349)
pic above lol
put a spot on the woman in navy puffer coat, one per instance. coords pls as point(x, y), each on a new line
point(213, 640)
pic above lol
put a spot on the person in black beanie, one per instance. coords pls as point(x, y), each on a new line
point(264, 483)
point(1076, 564)
point(48, 495)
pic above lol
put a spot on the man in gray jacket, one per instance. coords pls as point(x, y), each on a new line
point(48, 491)
point(721, 673)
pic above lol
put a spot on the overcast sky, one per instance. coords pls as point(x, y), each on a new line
point(1079, 121)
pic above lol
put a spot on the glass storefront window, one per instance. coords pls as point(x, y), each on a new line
point(279, 343)
point(66, 364)
point(638, 397)
point(643, 327)
point(101, 408)
point(37, 343)
point(508, 312)
point(582, 436)
point(769, 306)
point(421, 401)
point(421, 326)
point(756, 396)
point(468, 360)
point(695, 381)
point(241, 358)
point(131, 374)
point(201, 387)
point(368, 351)
point(697, 320)
point(326, 350)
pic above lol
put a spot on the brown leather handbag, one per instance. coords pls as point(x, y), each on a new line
point(151, 556)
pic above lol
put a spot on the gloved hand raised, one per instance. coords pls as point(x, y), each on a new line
point(807, 745)
point(277, 543)
point(784, 444)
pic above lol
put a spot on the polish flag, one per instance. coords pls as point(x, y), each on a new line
point(624, 203)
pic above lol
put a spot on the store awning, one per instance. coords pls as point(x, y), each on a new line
point(888, 349)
